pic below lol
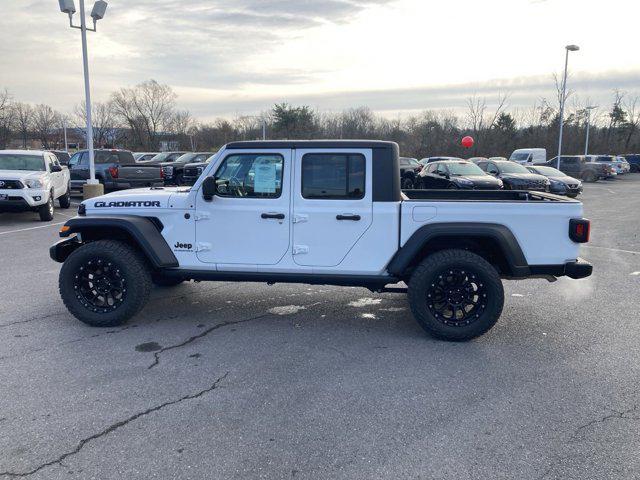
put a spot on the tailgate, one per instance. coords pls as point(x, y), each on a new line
point(140, 172)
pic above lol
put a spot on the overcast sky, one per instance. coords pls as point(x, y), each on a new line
point(234, 57)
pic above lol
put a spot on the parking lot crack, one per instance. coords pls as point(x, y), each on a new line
point(204, 333)
point(42, 317)
point(625, 415)
point(112, 428)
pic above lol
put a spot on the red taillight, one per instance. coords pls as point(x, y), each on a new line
point(579, 230)
point(161, 173)
point(113, 171)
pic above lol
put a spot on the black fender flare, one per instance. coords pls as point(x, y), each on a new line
point(142, 230)
point(499, 233)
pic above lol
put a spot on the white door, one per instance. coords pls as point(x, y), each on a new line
point(57, 178)
point(247, 222)
point(332, 204)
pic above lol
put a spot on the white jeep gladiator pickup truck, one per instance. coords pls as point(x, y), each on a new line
point(31, 180)
point(318, 212)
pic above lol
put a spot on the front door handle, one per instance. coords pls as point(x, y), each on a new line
point(279, 216)
point(355, 218)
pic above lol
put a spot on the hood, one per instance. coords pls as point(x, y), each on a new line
point(479, 179)
point(565, 180)
point(20, 174)
point(138, 198)
point(523, 176)
point(197, 164)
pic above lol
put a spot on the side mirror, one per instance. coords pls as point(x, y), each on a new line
point(208, 188)
point(56, 168)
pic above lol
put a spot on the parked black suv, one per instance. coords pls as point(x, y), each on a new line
point(409, 169)
point(106, 164)
point(456, 174)
point(561, 183)
point(634, 161)
point(578, 166)
point(515, 176)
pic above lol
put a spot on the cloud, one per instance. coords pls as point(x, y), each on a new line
point(523, 92)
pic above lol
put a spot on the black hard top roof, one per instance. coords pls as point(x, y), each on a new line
point(311, 144)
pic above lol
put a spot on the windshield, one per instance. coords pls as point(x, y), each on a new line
point(464, 168)
point(511, 167)
point(187, 157)
point(33, 163)
point(161, 157)
point(604, 158)
point(549, 172)
point(519, 157)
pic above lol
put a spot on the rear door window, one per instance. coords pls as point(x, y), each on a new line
point(333, 176)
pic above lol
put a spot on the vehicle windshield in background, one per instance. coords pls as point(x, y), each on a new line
point(550, 172)
point(187, 157)
point(161, 157)
point(520, 157)
point(604, 158)
point(33, 163)
point(512, 167)
point(464, 168)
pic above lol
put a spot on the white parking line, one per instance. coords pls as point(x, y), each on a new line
point(612, 249)
point(32, 228)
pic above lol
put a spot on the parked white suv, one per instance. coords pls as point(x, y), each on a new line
point(31, 180)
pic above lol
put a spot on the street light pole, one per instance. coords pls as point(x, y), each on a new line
point(586, 142)
point(87, 96)
point(568, 48)
point(93, 187)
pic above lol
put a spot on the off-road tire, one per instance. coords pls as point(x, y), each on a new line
point(161, 281)
point(46, 211)
point(428, 273)
point(65, 200)
point(589, 177)
point(131, 266)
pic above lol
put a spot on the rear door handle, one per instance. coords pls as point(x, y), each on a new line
point(355, 218)
point(279, 216)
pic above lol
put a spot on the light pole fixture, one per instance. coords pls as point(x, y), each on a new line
point(586, 141)
point(97, 13)
point(568, 48)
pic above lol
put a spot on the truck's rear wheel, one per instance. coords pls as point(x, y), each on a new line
point(105, 283)
point(456, 295)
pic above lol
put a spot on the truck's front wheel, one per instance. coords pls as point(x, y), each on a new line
point(456, 295)
point(105, 283)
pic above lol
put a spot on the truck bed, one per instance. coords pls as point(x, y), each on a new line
point(484, 195)
point(539, 221)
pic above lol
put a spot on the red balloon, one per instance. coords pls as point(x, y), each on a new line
point(467, 142)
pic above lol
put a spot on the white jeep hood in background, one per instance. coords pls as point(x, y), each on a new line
point(140, 198)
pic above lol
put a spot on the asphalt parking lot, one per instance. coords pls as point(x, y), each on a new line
point(222, 380)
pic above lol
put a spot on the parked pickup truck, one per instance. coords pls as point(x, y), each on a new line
point(115, 169)
point(318, 212)
point(31, 180)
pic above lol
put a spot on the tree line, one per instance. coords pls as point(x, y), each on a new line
point(142, 117)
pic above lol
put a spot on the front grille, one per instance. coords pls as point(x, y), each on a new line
point(191, 172)
point(168, 171)
point(11, 184)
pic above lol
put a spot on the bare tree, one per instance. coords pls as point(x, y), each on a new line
point(6, 117)
point(633, 120)
point(147, 109)
point(24, 118)
point(45, 123)
point(103, 119)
